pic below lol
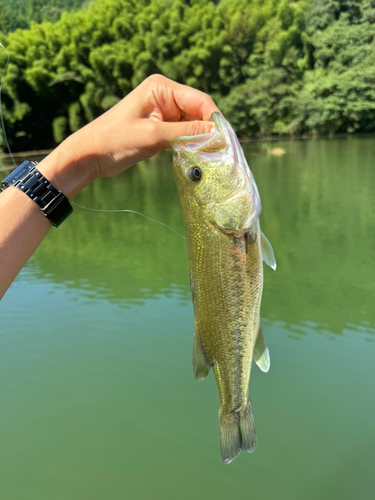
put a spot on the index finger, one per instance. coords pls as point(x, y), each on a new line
point(195, 105)
point(171, 101)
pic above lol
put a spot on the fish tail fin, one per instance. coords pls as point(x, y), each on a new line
point(237, 432)
point(230, 438)
point(247, 429)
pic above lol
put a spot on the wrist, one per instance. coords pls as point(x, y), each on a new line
point(70, 167)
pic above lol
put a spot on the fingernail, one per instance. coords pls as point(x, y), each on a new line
point(212, 130)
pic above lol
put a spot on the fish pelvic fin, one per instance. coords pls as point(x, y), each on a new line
point(268, 255)
point(261, 353)
point(237, 432)
point(201, 367)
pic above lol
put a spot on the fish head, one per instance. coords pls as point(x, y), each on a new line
point(213, 177)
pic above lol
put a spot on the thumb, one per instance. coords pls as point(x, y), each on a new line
point(170, 130)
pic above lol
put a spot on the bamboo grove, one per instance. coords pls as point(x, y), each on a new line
point(274, 67)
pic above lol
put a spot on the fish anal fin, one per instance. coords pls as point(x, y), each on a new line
point(267, 252)
point(261, 353)
point(201, 367)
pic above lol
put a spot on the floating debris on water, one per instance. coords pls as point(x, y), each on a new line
point(277, 151)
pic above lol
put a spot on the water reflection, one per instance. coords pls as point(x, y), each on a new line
point(96, 341)
point(318, 213)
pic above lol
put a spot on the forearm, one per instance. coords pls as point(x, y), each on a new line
point(23, 225)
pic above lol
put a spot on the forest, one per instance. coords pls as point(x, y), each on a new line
point(18, 14)
point(274, 67)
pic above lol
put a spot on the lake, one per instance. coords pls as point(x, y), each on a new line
point(98, 399)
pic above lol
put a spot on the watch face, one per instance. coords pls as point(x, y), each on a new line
point(18, 174)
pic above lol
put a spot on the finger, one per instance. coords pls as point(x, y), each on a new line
point(171, 101)
point(193, 103)
point(185, 117)
point(170, 130)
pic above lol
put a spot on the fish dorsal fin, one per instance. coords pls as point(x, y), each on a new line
point(267, 252)
point(261, 353)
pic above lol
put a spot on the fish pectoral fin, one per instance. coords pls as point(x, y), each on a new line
point(201, 367)
point(267, 252)
point(261, 353)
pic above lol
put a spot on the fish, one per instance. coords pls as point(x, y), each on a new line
point(220, 206)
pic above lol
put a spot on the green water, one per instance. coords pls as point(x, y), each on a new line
point(98, 400)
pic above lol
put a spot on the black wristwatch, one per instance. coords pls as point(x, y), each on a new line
point(53, 203)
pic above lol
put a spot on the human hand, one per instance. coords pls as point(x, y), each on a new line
point(136, 128)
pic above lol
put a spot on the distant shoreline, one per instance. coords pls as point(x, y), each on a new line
point(27, 154)
point(304, 137)
point(45, 152)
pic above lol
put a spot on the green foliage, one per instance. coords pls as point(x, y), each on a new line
point(260, 107)
point(273, 66)
point(75, 117)
point(317, 78)
point(338, 93)
point(87, 61)
point(18, 14)
point(59, 126)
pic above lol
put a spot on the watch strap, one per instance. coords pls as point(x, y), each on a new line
point(53, 203)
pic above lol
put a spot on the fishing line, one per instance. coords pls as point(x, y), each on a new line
point(1, 105)
point(72, 202)
point(129, 211)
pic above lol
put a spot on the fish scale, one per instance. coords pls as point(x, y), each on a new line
point(220, 206)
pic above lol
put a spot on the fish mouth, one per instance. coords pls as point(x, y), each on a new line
point(211, 141)
point(185, 139)
point(223, 139)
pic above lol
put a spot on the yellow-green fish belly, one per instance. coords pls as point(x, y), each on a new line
point(226, 281)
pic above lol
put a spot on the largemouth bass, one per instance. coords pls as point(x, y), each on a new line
point(220, 205)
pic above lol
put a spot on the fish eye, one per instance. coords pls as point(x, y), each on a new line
point(195, 174)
